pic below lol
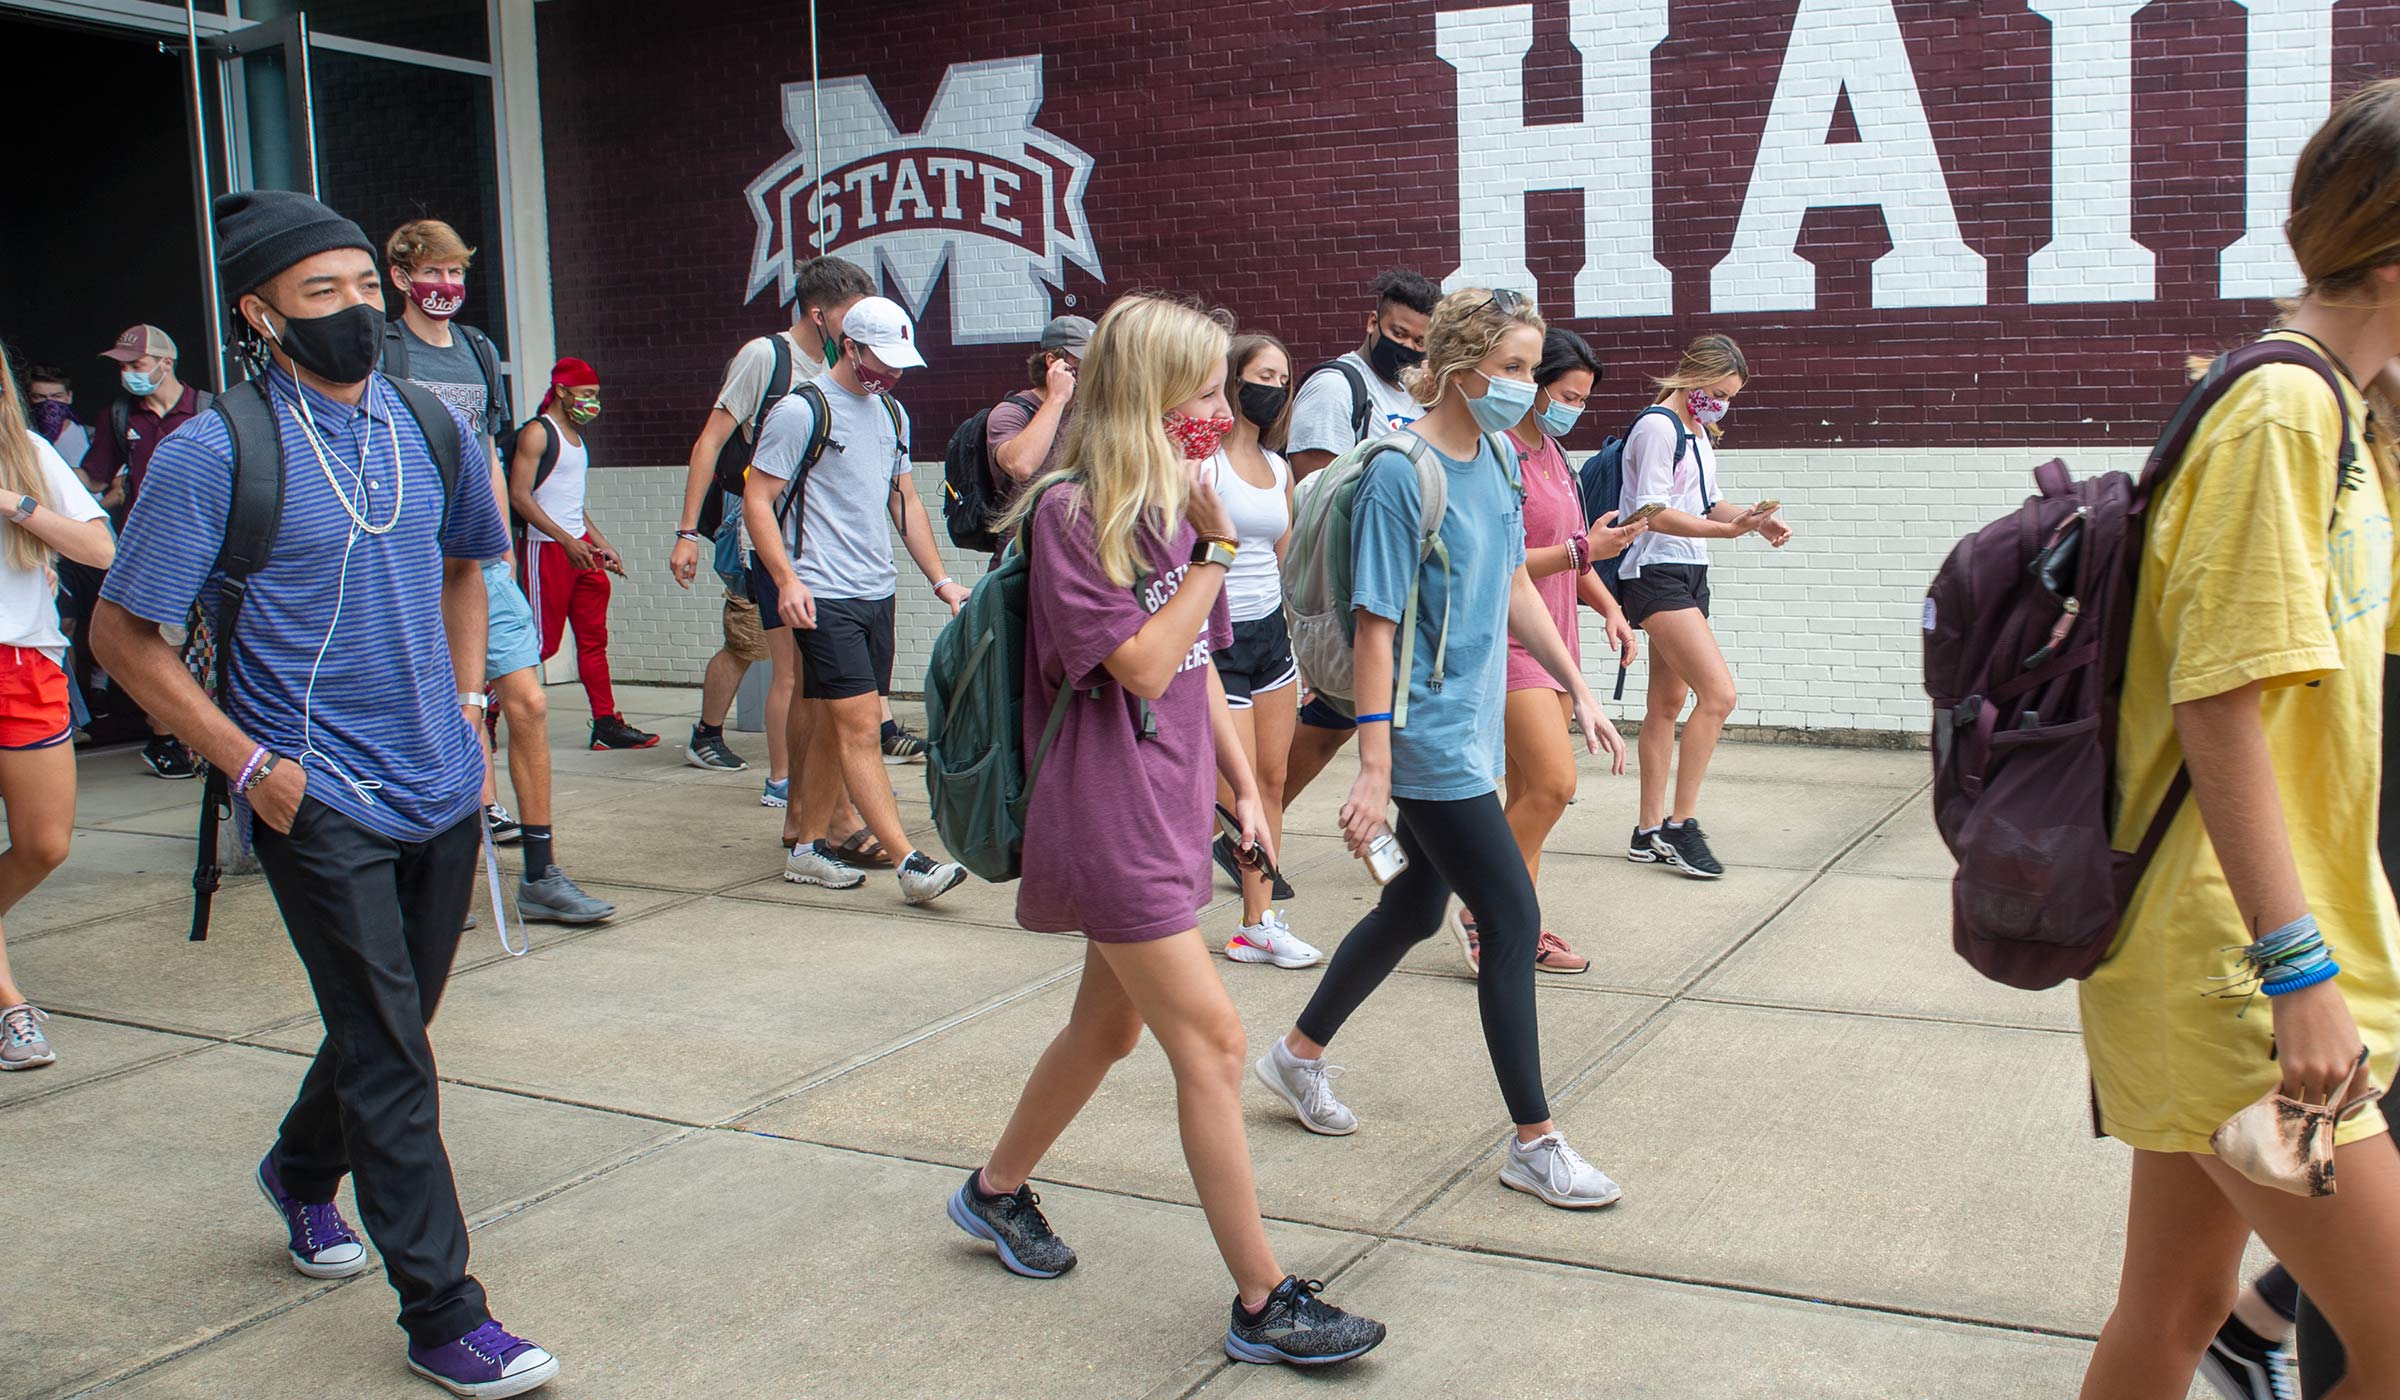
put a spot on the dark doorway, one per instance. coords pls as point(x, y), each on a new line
point(98, 204)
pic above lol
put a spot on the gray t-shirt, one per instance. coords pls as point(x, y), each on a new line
point(1321, 415)
point(451, 372)
point(841, 533)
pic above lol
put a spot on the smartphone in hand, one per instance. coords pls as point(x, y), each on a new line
point(1252, 855)
point(1385, 860)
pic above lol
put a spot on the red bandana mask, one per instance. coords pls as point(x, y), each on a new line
point(1198, 437)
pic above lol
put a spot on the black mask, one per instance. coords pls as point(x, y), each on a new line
point(1389, 357)
point(340, 349)
point(1262, 404)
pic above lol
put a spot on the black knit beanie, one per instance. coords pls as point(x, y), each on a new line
point(262, 232)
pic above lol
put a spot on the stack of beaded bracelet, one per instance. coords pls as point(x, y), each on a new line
point(262, 762)
point(2290, 959)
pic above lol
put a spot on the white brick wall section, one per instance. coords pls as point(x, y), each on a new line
point(1821, 635)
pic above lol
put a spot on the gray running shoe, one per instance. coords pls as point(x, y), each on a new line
point(1307, 1085)
point(22, 1044)
point(815, 864)
point(924, 879)
point(554, 899)
point(1015, 1225)
point(1297, 1328)
point(1548, 1168)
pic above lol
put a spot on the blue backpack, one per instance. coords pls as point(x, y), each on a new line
point(1601, 484)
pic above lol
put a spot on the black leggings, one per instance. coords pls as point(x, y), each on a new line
point(1464, 846)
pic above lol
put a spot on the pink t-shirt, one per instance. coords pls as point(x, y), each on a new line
point(1118, 827)
point(1553, 512)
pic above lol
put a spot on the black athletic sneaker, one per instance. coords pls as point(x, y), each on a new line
point(1015, 1225)
point(2244, 1366)
point(712, 752)
point(1297, 1328)
point(504, 827)
point(902, 745)
point(168, 758)
point(612, 732)
point(1222, 851)
point(1684, 848)
point(1641, 850)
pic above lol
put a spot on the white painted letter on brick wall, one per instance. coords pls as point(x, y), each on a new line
point(2290, 95)
point(1853, 45)
point(1607, 155)
point(2091, 255)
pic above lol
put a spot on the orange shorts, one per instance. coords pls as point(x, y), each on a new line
point(33, 701)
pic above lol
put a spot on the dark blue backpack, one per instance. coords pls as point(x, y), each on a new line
point(1601, 484)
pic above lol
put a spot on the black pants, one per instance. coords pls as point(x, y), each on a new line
point(376, 923)
point(1464, 846)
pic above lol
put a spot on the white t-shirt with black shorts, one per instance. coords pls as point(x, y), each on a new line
point(838, 532)
point(1666, 573)
point(1260, 659)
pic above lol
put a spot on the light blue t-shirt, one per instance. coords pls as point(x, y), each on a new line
point(1451, 748)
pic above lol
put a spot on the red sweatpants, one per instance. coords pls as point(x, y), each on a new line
point(561, 593)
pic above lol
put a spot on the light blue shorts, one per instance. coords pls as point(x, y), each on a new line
point(514, 642)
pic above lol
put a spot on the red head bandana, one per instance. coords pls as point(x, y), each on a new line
point(569, 373)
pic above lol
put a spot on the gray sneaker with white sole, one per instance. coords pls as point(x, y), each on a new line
point(816, 864)
point(1307, 1085)
point(555, 899)
point(22, 1044)
point(1548, 1168)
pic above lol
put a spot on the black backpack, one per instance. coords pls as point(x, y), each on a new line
point(733, 459)
point(507, 448)
point(970, 483)
point(120, 417)
point(1600, 482)
point(1362, 407)
point(394, 365)
point(250, 525)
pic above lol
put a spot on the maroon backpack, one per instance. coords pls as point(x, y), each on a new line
point(2026, 630)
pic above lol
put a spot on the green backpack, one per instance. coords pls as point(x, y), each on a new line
point(1322, 556)
point(975, 768)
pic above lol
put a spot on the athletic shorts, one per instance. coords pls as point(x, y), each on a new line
point(849, 651)
point(511, 641)
point(1316, 714)
point(1260, 660)
point(1664, 588)
point(34, 713)
point(745, 636)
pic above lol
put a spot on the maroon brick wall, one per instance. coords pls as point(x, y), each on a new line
point(1274, 156)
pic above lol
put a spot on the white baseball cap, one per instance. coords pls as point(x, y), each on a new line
point(879, 324)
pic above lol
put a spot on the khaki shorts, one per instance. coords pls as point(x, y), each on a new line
point(745, 640)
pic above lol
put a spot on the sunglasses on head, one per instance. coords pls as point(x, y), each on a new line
point(1507, 303)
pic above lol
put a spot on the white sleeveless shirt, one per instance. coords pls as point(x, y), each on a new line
point(1261, 517)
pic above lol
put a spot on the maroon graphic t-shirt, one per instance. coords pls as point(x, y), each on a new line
point(1117, 833)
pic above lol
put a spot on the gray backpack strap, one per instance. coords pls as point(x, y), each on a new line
point(1433, 503)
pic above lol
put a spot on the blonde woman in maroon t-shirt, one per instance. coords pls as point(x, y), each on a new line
point(1130, 547)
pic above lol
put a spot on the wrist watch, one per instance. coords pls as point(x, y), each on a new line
point(1209, 549)
point(26, 506)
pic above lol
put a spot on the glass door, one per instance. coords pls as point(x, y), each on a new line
point(264, 137)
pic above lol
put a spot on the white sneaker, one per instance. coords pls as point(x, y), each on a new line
point(1548, 1168)
point(1307, 1085)
point(1271, 940)
point(924, 879)
point(806, 865)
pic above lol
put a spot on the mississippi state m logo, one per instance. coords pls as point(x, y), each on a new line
point(979, 189)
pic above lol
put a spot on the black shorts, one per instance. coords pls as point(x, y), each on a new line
point(1316, 714)
point(1259, 660)
point(1665, 588)
point(849, 651)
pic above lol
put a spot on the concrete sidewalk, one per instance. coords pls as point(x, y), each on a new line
point(705, 1147)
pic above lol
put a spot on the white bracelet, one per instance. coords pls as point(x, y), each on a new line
point(943, 582)
point(476, 698)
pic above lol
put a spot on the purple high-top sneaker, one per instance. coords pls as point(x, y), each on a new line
point(322, 1245)
point(485, 1364)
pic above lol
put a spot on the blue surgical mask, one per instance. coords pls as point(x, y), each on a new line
point(1558, 419)
point(1503, 405)
point(138, 384)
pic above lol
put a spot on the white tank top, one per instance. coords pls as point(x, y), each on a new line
point(1261, 517)
point(561, 493)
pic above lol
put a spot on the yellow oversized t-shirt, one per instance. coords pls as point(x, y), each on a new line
point(2243, 580)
